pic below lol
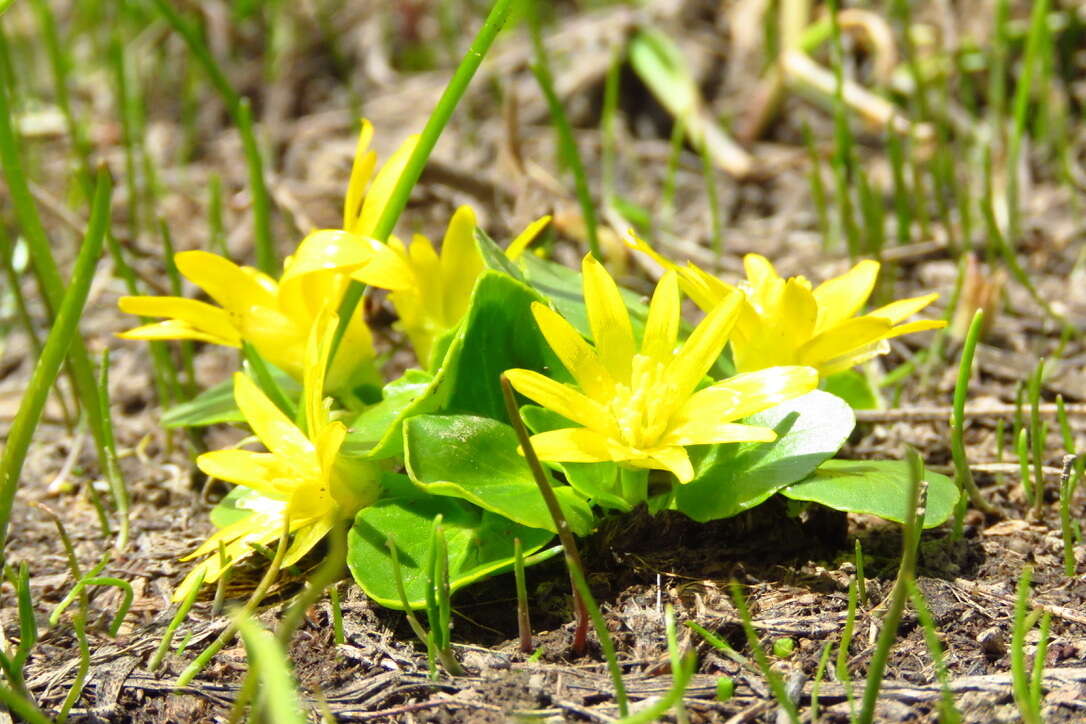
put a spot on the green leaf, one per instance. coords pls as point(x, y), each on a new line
point(216, 404)
point(734, 477)
point(494, 257)
point(480, 543)
point(596, 481)
point(854, 388)
point(373, 426)
point(874, 487)
point(497, 333)
point(476, 458)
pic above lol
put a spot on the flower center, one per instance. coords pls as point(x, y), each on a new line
point(643, 409)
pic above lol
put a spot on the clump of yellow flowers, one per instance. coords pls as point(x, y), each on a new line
point(641, 397)
point(786, 321)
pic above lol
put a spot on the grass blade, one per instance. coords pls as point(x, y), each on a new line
point(63, 334)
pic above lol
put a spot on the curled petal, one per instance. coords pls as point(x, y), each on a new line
point(174, 329)
point(842, 297)
point(531, 231)
point(902, 309)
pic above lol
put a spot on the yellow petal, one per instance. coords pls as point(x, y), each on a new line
point(307, 536)
point(849, 335)
point(201, 316)
point(703, 288)
point(361, 171)
point(576, 354)
point(902, 309)
point(842, 297)
point(381, 189)
point(461, 264)
point(173, 329)
point(427, 267)
point(662, 325)
point(328, 444)
point(560, 398)
point(317, 349)
point(636, 243)
point(797, 313)
point(920, 325)
point(759, 270)
point(673, 459)
point(257, 471)
point(608, 319)
point(575, 445)
point(327, 249)
point(278, 433)
point(388, 268)
point(518, 245)
point(703, 346)
point(258, 527)
point(223, 280)
point(711, 433)
point(738, 397)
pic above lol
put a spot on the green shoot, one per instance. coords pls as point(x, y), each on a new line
point(567, 146)
point(565, 535)
point(1026, 696)
point(524, 623)
point(113, 469)
point(193, 669)
point(1037, 434)
point(963, 476)
point(435, 124)
point(608, 646)
point(899, 595)
point(861, 581)
point(820, 672)
point(776, 685)
point(239, 110)
point(268, 658)
point(62, 336)
point(175, 622)
point(948, 713)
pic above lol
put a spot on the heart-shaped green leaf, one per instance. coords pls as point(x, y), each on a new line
point(476, 458)
point(480, 543)
point(734, 477)
point(854, 388)
point(875, 487)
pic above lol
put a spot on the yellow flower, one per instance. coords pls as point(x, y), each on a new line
point(276, 317)
point(300, 479)
point(641, 407)
point(786, 322)
point(431, 291)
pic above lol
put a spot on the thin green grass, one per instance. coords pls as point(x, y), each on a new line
point(62, 337)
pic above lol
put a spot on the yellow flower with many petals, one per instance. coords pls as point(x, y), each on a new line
point(276, 317)
point(301, 484)
point(786, 322)
point(640, 406)
point(431, 291)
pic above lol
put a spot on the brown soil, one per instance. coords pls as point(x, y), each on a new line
point(795, 572)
